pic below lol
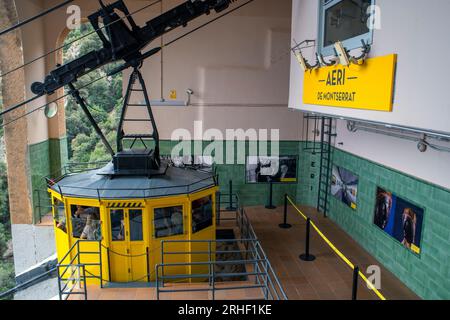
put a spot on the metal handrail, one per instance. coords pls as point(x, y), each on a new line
point(265, 277)
point(75, 263)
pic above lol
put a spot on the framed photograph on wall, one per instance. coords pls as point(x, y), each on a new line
point(344, 186)
point(399, 218)
point(281, 169)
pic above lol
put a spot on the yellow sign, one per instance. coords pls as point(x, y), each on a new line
point(173, 95)
point(368, 86)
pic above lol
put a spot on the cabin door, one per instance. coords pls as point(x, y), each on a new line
point(128, 252)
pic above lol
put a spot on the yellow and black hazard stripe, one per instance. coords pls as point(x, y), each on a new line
point(125, 205)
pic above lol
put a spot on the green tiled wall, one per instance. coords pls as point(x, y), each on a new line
point(428, 274)
point(46, 158)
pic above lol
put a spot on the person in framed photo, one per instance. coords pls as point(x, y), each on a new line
point(409, 227)
point(383, 208)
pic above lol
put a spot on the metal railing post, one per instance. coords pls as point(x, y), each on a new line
point(148, 264)
point(157, 281)
point(266, 280)
point(162, 263)
point(59, 283)
point(210, 261)
point(355, 283)
point(109, 264)
point(231, 208)
point(101, 263)
point(285, 225)
point(213, 284)
point(219, 210)
point(84, 283)
point(307, 256)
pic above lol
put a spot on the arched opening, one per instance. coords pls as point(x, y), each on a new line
point(103, 98)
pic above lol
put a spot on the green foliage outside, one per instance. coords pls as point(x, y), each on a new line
point(104, 99)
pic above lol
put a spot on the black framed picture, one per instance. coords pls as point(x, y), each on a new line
point(282, 169)
point(399, 218)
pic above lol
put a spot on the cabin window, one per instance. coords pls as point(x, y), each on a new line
point(168, 222)
point(86, 222)
point(59, 214)
point(347, 21)
point(202, 214)
point(136, 225)
point(117, 225)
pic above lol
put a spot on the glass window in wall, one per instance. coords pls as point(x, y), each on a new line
point(86, 222)
point(117, 225)
point(202, 214)
point(136, 225)
point(168, 222)
point(59, 214)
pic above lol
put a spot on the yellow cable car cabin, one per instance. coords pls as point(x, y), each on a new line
point(115, 224)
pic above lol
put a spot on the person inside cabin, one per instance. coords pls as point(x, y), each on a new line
point(177, 222)
point(168, 222)
point(85, 222)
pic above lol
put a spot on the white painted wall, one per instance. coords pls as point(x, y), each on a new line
point(416, 32)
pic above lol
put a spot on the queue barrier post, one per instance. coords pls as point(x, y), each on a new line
point(285, 225)
point(355, 283)
point(307, 256)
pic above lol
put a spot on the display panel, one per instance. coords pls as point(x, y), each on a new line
point(399, 218)
point(281, 169)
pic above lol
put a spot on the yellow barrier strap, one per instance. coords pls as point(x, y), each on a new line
point(339, 253)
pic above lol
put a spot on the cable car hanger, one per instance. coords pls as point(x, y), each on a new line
point(127, 64)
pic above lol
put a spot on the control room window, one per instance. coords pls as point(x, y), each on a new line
point(168, 222)
point(86, 222)
point(346, 21)
point(202, 214)
point(59, 214)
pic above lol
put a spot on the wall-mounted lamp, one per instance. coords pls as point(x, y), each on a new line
point(304, 63)
point(342, 54)
point(51, 110)
point(346, 59)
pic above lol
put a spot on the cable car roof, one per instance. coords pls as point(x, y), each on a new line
point(95, 184)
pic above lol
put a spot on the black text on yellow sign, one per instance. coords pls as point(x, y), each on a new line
point(369, 86)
